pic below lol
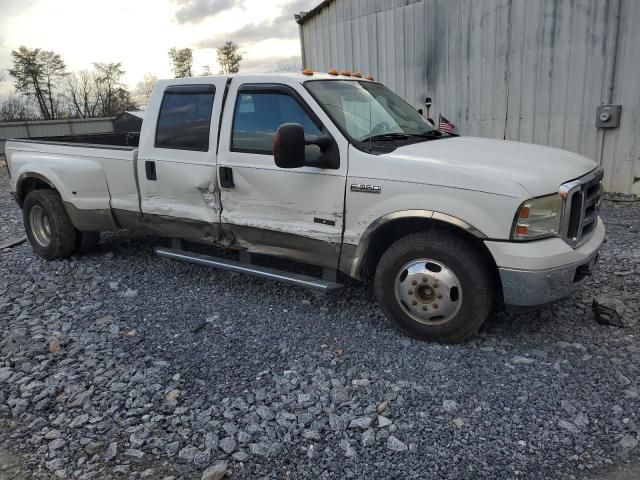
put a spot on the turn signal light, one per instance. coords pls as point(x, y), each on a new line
point(307, 71)
point(334, 71)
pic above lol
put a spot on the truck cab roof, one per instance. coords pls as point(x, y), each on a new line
point(276, 77)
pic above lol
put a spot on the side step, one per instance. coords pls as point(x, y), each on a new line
point(262, 272)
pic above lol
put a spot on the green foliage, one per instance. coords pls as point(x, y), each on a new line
point(229, 57)
point(182, 60)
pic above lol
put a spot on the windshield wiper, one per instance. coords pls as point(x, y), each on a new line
point(386, 136)
point(430, 133)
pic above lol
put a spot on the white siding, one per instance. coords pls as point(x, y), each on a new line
point(529, 70)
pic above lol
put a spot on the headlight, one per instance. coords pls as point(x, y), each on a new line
point(538, 218)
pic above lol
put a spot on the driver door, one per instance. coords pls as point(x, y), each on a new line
point(295, 213)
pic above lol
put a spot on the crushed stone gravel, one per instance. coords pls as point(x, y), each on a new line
point(276, 382)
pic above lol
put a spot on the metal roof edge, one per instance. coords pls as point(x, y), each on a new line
point(304, 16)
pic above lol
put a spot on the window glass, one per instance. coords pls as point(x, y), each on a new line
point(184, 121)
point(259, 115)
point(364, 109)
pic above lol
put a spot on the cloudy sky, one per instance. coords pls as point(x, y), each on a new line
point(139, 33)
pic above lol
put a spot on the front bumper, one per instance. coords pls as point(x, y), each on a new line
point(561, 269)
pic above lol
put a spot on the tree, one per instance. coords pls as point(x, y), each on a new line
point(113, 97)
point(82, 94)
point(182, 60)
point(37, 73)
point(98, 93)
point(206, 72)
point(144, 88)
point(290, 64)
point(229, 58)
point(16, 108)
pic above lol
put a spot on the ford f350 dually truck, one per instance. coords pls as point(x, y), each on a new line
point(330, 170)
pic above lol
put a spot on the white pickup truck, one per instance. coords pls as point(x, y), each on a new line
point(330, 170)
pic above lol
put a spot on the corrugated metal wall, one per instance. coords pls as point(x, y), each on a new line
point(51, 128)
point(529, 70)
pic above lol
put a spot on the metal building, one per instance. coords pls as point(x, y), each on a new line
point(529, 70)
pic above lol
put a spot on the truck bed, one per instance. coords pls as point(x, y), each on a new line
point(122, 140)
point(92, 173)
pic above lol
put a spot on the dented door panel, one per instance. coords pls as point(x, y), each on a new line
point(185, 184)
point(295, 213)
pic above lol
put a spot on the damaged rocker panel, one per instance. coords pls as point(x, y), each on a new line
point(167, 226)
point(239, 237)
point(282, 244)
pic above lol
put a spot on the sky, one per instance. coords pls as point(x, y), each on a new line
point(139, 33)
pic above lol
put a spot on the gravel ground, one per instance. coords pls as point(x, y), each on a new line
point(119, 364)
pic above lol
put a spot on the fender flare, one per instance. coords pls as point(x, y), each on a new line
point(27, 175)
point(365, 239)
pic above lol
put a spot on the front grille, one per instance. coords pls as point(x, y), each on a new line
point(581, 208)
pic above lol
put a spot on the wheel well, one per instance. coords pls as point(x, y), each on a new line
point(30, 184)
point(392, 231)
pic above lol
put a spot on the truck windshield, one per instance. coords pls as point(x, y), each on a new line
point(367, 111)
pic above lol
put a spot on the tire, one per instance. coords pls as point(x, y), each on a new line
point(48, 227)
point(435, 286)
point(86, 242)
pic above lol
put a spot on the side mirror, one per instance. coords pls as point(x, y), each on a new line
point(289, 146)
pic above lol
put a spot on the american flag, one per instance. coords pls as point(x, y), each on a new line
point(445, 126)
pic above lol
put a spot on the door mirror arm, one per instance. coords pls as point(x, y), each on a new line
point(289, 148)
point(323, 141)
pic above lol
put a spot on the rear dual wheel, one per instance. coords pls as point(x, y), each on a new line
point(49, 228)
point(435, 285)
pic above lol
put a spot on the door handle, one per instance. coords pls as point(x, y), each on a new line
point(226, 177)
point(150, 170)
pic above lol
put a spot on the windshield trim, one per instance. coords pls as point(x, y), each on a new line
point(364, 146)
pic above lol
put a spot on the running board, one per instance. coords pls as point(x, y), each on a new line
point(262, 272)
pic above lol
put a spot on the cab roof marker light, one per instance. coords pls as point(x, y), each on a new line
point(370, 77)
point(357, 74)
point(307, 71)
point(334, 71)
point(346, 72)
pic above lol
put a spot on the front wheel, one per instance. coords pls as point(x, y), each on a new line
point(435, 286)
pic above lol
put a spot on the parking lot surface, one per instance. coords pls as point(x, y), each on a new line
point(119, 364)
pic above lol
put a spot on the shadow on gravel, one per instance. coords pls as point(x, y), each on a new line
point(625, 470)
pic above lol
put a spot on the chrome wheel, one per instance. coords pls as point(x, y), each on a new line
point(40, 225)
point(428, 291)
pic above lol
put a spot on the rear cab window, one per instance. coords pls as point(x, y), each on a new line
point(184, 120)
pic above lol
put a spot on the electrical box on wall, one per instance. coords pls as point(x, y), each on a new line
point(608, 116)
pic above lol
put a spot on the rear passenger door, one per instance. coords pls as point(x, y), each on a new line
point(176, 165)
point(297, 212)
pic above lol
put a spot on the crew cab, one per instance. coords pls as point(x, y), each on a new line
point(330, 170)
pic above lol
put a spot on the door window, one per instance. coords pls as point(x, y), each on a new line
point(184, 120)
point(259, 115)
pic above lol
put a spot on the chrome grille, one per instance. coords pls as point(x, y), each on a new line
point(582, 201)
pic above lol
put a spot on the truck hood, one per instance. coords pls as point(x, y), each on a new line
point(496, 165)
